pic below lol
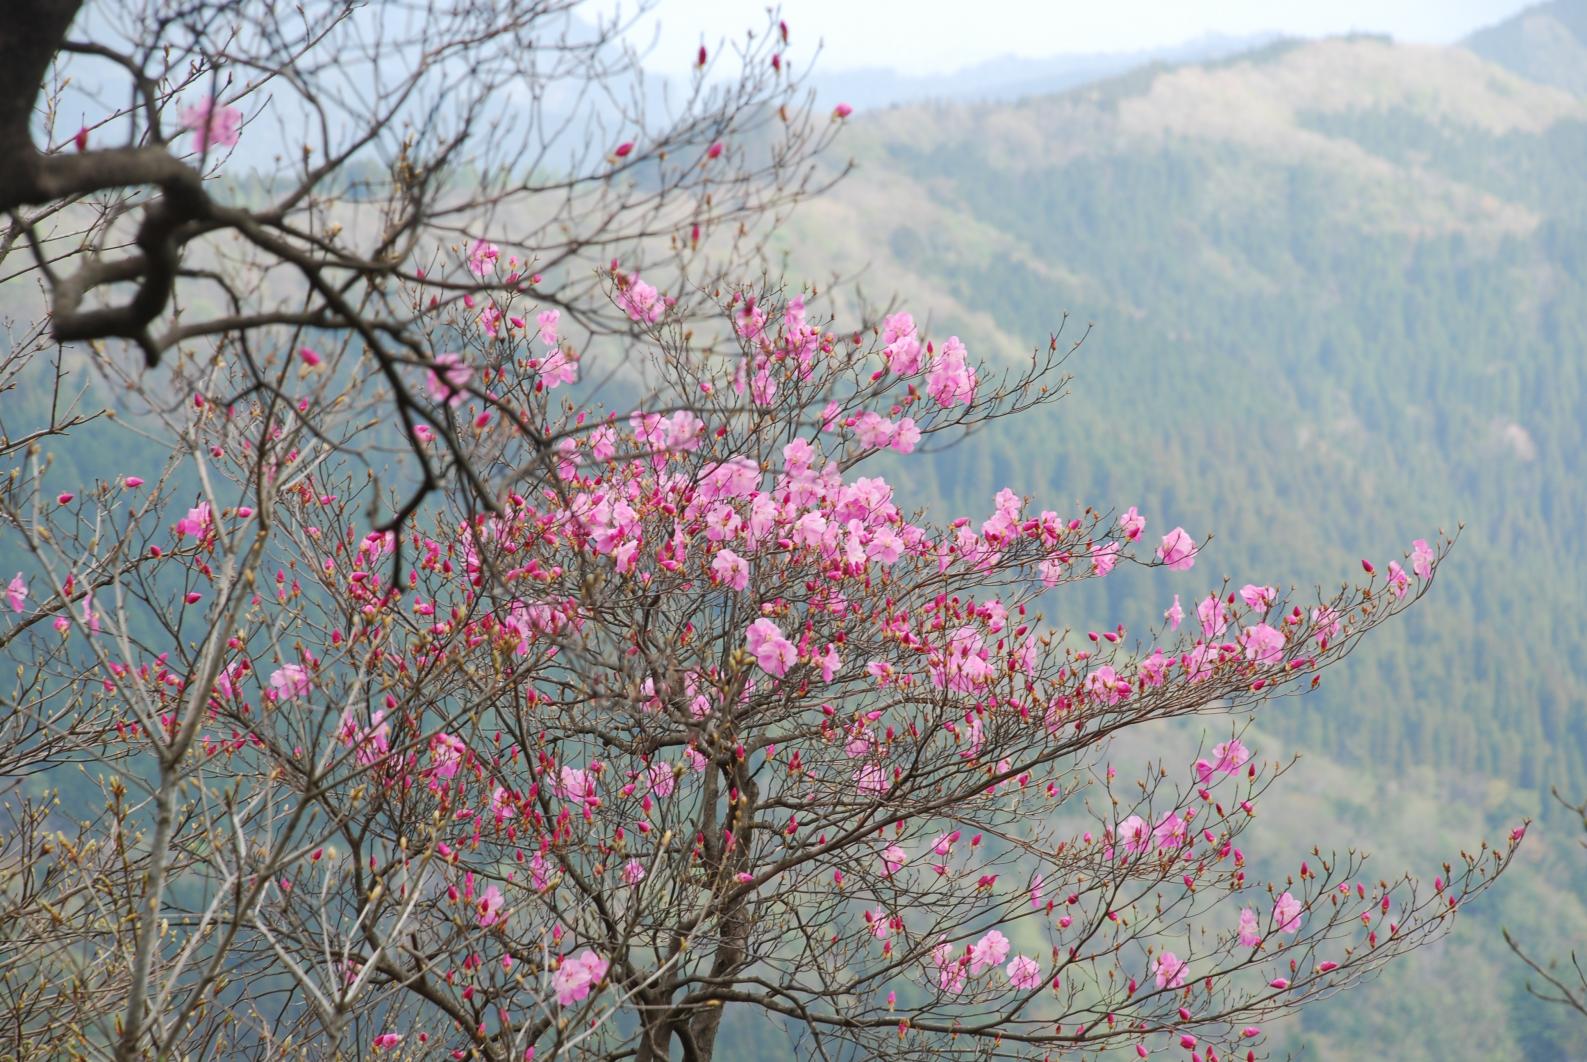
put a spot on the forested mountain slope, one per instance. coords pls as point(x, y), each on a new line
point(1339, 298)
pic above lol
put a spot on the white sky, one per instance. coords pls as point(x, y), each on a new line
point(922, 36)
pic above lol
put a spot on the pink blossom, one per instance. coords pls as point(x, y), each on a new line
point(1260, 597)
point(842, 110)
point(1230, 755)
point(773, 652)
point(548, 321)
point(1024, 972)
point(640, 301)
point(950, 971)
point(1169, 970)
point(577, 975)
point(1325, 624)
point(387, 1041)
point(17, 592)
point(952, 379)
point(447, 752)
point(289, 682)
point(1422, 557)
point(490, 905)
point(1286, 913)
point(482, 257)
point(211, 125)
point(1134, 834)
point(1399, 582)
point(662, 780)
point(893, 858)
point(1175, 614)
point(1263, 644)
point(490, 319)
point(989, 951)
point(448, 384)
point(559, 367)
point(1104, 558)
point(1178, 550)
point(1132, 524)
point(1250, 935)
point(633, 872)
point(196, 522)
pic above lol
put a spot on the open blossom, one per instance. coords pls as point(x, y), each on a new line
point(1422, 557)
point(289, 681)
point(662, 780)
point(1259, 597)
point(577, 976)
point(1286, 913)
point(387, 1041)
point(548, 322)
point(1230, 756)
point(730, 569)
point(989, 951)
point(633, 872)
point(640, 301)
point(951, 975)
point(773, 652)
point(1024, 972)
point(447, 379)
point(1399, 582)
point(482, 257)
point(1178, 550)
point(893, 858)
point(1132, 524)
point(196, 522)
point(490, 905)
point(17, 592)
point(1134, 834)
point(1263, 644)
point(1214, 616)
point(212, 125)
point(952, 379)
point(1175, 614)
point(1250, 934)
point(1169, 970)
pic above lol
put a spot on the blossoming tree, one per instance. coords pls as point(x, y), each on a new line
point(698, 719)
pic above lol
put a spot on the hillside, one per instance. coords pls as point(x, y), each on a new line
point(1339, 297)
point(1546, 43)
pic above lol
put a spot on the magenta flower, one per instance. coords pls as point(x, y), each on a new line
point(447, 385)
point(196, 522)
point(1024, 972)
point(17, 592)
point(1178, 550)
point(211, 125)
point(577, 976)
point(1422, 557)
point(1286, 913)
point(289, 682)
point(387, 1041)
point(482, 258)
point(1175, 614)
point(774, 653)
point(730, 569)
point(1250, 935)
point(1263, 644)
point(989, 951)
point(1169, 970)
point(1132, 524)
point(490, 905)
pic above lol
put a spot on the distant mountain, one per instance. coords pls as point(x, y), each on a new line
point(1546, 43)
point(1012, 78)
point(1339, 296)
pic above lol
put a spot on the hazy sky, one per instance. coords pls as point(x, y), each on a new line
point(921, 36)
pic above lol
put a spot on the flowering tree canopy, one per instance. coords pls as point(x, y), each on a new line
point(430, 694)
point(700, 718)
